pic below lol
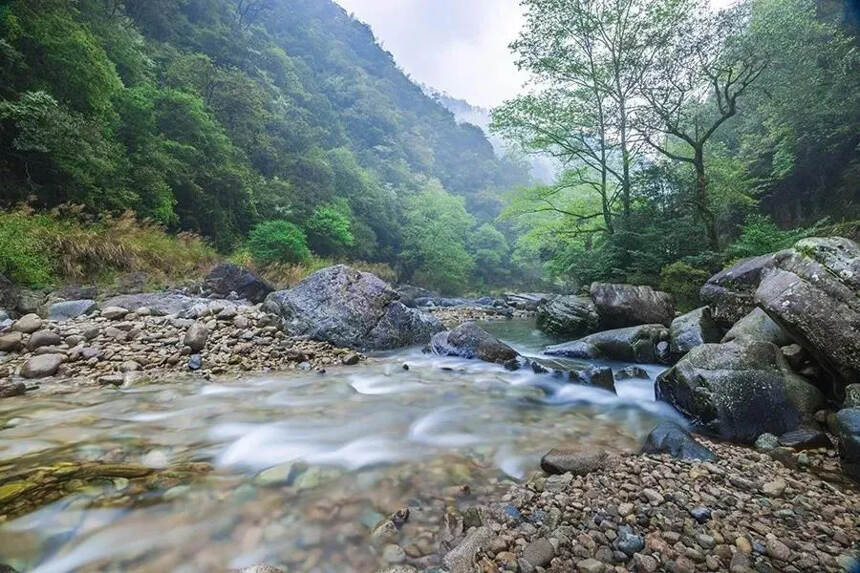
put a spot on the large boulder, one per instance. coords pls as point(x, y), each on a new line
point(622, 305)
point(737, 391)
point(813, 293)
point(228, 278)
point(410, 293)
point(646, 344)
point(691, 330)
point(69, 309)
point(568, 315)
point(348, 307)
point(848, 431)
point(526, 300)
point(730, 292)
point(758, 326)
point(470, 341)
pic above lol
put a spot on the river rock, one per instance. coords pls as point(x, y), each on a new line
point(621, 305)
point(461, 559)
point(670, 438)
point(632, 373)
point(579, 463)
point(402, 326)
point(600, 376)
point(539, 552)
point(814, 294)
point(805, 439)
point(28, 323)
point(348, 307)
point(852, 396)
point(114, 312)
point(757, 325)
point(43, 338)
point(12, 389)
point(632, 344)
point(568, 316)
point(470, 341)
point(69, 309)
point(692, 329)
point(730, 293)
point(8, 293)
point(11, 341)
point(196, 336)
point(737, 391)
point(228, 278)
point(848, 432)
point(159, 303)
point(408, 294)
point(42, 366)
point(526, 300)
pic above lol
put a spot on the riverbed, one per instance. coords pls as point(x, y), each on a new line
point(293, 469)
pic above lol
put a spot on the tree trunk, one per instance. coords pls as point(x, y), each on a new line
point(701, 200)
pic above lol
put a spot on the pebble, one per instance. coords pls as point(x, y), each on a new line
point(539, 552)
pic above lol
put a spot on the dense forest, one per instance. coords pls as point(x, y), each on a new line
point(282, 133)
point(277, 125)
point(689, 137)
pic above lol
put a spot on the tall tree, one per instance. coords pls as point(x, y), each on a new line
point(694, 88)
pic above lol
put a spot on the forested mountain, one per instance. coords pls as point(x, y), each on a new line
point(213, 116)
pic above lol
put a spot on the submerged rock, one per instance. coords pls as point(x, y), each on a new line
point(568, 316)
point(848, 431)
point(737, 391)
point(670, 438)
point(351, 308)
point(691, 330)
point(470, 341)
point(632, 344)
point(621, 305)
point(562, 461)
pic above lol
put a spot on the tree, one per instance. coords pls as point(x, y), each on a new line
point(278, 242)
point(329, 228)
point(694, 88)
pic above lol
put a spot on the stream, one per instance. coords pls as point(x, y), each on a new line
point(292, 469)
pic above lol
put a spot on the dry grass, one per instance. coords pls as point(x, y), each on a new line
point(287, 275)
point(63, 246)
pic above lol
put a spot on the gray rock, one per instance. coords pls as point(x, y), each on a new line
point(852, 396)
point(600, 376)
point(737, 391)
point(12, 389)
point(795, 355)
point(539, 552)
point(43, 338)
point(701, 514)
point(196, 336)
point(195, 362)
point(4, 315)
point(8, 294)
point(848, 432)
point(568, 316)
point(461, 559)
point(767, 442)
point(692, 329)
point(348, 307)
point(227, 278)
point(814, 294)
point(69, 309)
point(402, 326)
point(805, 439)
point(158, 303)
point(670, 438)
point(621, 305)
point(561, 461)
point(470, 341)
point(631, 344)
point(42, 366)
point(28, 323)
point(11, 341)
point(29, 301)
point(629, 542)
point(526, 301)
point(114, 312)
point(730, 293)
point(758, 326)
point(632, 372)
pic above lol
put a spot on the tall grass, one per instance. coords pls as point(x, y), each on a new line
point(41, 249)
point(286, 275)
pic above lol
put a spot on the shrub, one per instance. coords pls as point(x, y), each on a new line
point(278, 242)
point(683, 282)
point(329, 229)
point(759, 235)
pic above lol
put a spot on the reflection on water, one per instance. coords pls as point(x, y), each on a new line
point(304, 465)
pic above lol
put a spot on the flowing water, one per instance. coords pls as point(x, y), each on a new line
point(289, 469)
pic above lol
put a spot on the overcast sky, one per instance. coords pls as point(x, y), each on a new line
point(457, 46)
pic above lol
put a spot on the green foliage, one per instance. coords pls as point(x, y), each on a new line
point(436, 226)
point(490, 250)
point(683, 282)
point(278, 242)
point(328, 228)
point(24, 257)
point(759, 235)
